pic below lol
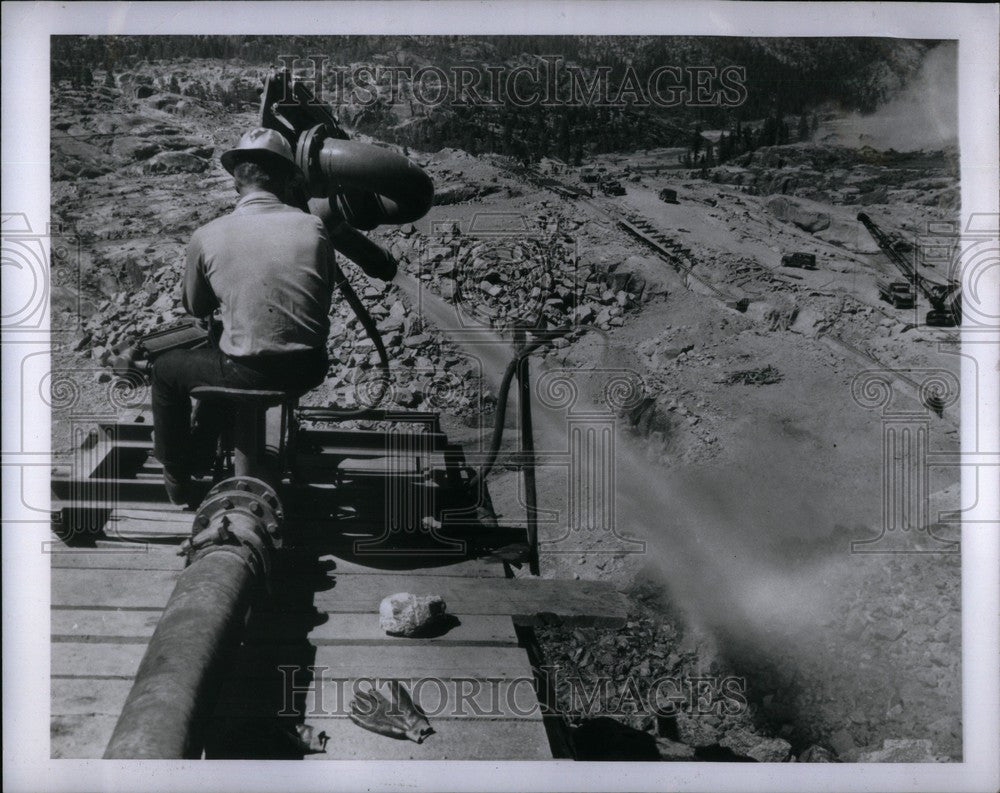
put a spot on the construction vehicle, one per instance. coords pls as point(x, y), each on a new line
point(804, 261)
point(612, 187)
point(899, 294)
point(945, 299)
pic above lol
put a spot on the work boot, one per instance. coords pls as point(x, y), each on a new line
point(178, 488)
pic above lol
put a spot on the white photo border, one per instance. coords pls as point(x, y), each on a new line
point(25, 169)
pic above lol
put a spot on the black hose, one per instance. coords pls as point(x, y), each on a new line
point(373, 333)
point(502, 397)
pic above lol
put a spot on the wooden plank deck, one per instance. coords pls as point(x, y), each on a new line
point(309, 647)
point(476, 679)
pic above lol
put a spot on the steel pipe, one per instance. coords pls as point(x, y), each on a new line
point(173, 689)
point(235, 532)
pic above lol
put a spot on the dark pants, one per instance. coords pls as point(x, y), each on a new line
point(177, 372)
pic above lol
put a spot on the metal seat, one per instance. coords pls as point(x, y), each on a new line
point(246, 443)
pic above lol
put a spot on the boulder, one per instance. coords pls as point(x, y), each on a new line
point(745, 743)
point(131, 147)
point(696, 731)
point(791, 211)
point(810, 321)
point(817, 754)
point(174, 162)
point(903, 750)
point(406, 614)
point(673, 750)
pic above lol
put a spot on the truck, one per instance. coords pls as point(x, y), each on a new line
point(612, 187)
point(944, 299)
point(899, 294)
point(805, 261)
point(668, 195)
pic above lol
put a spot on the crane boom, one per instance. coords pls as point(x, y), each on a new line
point(944, 299)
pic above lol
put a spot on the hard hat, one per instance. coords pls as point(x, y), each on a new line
point(260, 145)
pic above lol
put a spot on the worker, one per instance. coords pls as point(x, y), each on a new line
point(267, 271)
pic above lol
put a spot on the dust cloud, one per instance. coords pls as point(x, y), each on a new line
point(923, 117)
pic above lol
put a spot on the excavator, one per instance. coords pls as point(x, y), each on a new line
point(945, 299)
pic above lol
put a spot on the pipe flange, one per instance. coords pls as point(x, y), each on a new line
point(264, 511)
point(307, 158)
point(230, 530)
point(253, 486)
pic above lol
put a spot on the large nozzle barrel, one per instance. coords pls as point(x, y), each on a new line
point(369, 185)
point(229, 554)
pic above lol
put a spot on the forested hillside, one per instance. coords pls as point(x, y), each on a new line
point(788, 82)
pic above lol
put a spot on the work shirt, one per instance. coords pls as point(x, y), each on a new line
point(269, 269)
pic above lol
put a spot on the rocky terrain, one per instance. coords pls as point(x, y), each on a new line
point(746, 370)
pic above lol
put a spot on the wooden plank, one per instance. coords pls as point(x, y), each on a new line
point(530, 601)
point(465, 698)
point(123, 557)
point(472, 629)
point(112, 659)
point(463, 568)
point(350, 661)
point(97, 625)
point(453, 739)
point(158, 505)
point(93, 625)
point(113, 588)
point(85, 660)
point(85, 737)
point(468, 699)
point(80, 736)
point(85, 696)
point(416, 661)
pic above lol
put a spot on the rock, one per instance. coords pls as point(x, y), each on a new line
point(903, 750)
point(174, 162)
point(417, 340)
point(842, 742)
point(673, 750)
point(696, 731)
point(817, 754)
point(945, 726)
point(162, 303)
point(745, 743)
point(791, 211)
point(810, 322)
point(888, 632)
point(390, 324)
point(100, 354)
point(406, 614)
point(132, 148)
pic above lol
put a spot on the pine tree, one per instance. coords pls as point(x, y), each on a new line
point(803, 130)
